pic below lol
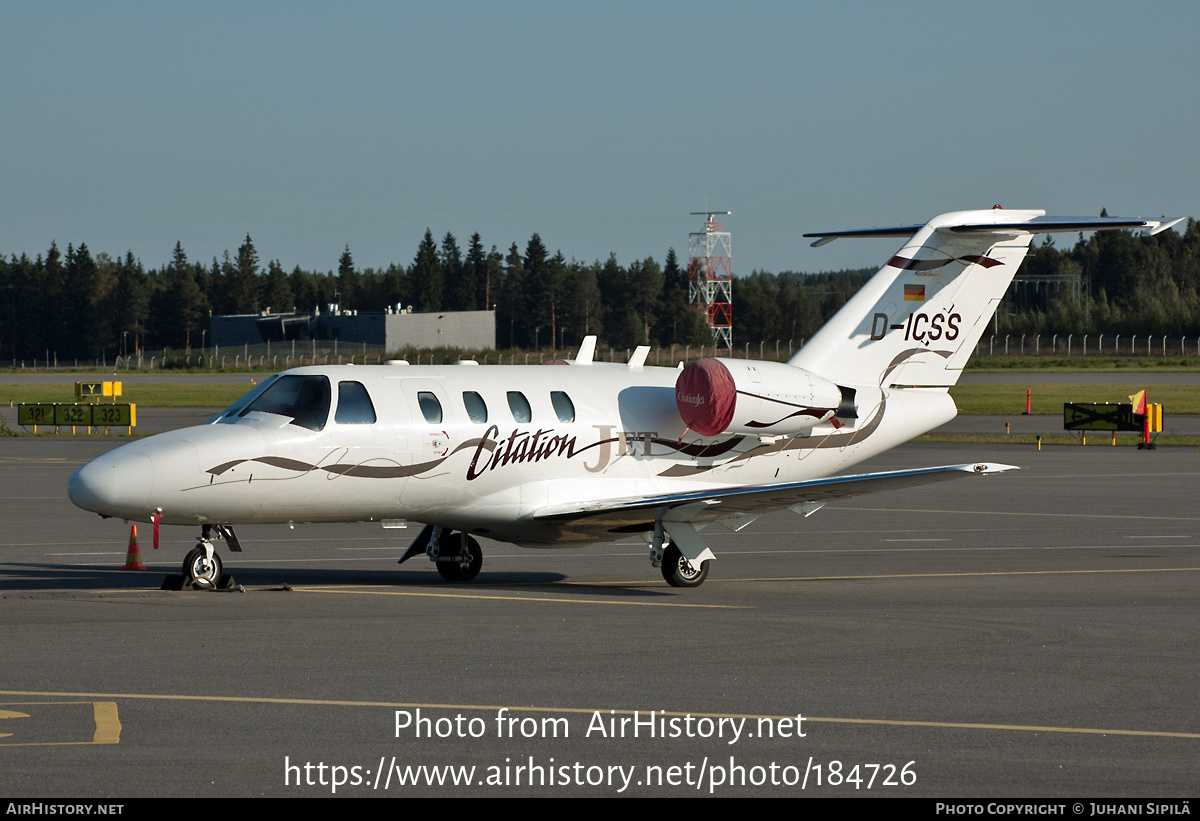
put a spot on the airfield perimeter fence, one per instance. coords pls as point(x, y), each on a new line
point(1148, 345)
point(275, 356)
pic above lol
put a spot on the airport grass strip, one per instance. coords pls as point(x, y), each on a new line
point(143, 394)
point(1095, 439)
point(1009, 399)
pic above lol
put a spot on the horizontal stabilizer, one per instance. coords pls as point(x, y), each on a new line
point(1058, 225)
point(1037, 225)
point(712, 505)
point(827, 237)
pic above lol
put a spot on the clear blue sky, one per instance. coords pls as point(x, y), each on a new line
point(130, 126)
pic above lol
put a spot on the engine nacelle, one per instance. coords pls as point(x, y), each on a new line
point(718, 396)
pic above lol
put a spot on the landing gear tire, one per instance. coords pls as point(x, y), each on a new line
point(197, 569)
point(679, 572)
point(463, 566)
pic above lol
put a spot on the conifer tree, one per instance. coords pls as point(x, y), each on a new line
point(450, 258)
point(426, 275)
point(243, 280)
point(278, 291)
point(347, 280)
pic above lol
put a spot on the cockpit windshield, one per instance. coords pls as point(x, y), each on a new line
point(304, 399)
point(242, 401)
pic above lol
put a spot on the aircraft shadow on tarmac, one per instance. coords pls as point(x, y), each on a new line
point(37, 578)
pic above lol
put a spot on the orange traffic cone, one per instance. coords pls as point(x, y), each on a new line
point(133, 558)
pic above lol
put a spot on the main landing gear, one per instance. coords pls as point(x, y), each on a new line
point(677, 569)
point(679, 572)
point(460, 558)
point(457, 555)
point(202, 567)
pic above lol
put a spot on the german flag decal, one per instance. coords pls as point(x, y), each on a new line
point(914, 293)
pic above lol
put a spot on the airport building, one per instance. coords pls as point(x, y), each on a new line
point(393, 330)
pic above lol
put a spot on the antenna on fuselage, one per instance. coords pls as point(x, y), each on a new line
point(587, 350)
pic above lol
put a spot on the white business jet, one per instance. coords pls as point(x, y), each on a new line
point(566, 456)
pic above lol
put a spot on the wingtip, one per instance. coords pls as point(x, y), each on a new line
point(990, 467)
point(1164, 225)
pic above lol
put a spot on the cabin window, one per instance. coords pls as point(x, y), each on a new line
point(563, 406)
point(519, 405)
point(431, 408)
point(476, 407)
point(305, 399)
point(354, 405)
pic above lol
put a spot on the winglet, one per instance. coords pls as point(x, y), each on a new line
point(987, 467)
point(1162, 226)
point(587, 350)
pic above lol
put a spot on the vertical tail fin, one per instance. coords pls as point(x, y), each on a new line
point(917, 321)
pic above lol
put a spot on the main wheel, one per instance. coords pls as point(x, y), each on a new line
point(197, 568)
point(462, 567)
point(679, 572)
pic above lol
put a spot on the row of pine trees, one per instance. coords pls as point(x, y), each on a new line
point(74, 304)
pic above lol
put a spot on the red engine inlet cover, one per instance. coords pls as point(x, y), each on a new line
point(706, 396)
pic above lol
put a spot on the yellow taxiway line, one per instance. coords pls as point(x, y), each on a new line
point(104, 714)
point(1029, 728)
point(391, 592)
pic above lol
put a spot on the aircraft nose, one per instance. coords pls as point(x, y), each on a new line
point(116, 484)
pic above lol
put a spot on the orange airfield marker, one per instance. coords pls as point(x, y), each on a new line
point(133, 558)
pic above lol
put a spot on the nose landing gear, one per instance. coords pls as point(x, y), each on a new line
point(202, 567)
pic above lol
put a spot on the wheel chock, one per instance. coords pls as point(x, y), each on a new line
point(133, 557)
point(177, 583)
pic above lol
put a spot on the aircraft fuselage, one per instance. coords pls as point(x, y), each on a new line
point(485, 469)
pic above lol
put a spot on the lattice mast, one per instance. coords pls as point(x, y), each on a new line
point(710, 277)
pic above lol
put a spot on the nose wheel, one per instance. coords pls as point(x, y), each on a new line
point(202, 566)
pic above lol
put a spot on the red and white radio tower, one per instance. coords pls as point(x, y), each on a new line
point(710, 277)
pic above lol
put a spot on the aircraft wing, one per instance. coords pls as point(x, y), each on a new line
point(752, 500)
